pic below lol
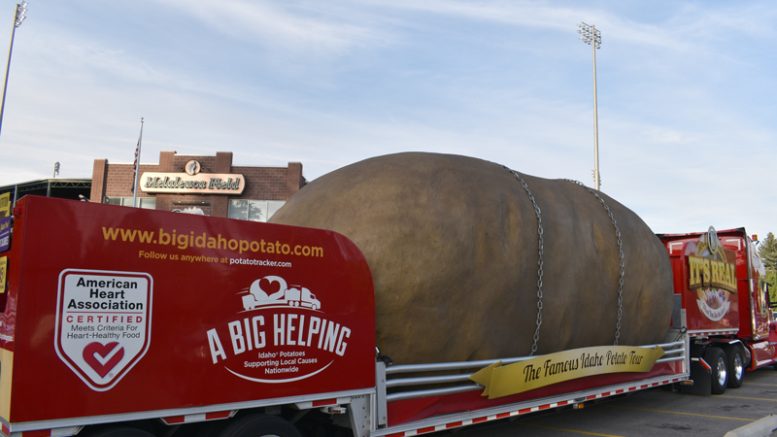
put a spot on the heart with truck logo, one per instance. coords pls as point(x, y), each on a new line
point(102, 358)
point(269, 285)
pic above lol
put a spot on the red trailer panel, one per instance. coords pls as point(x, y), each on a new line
point(119, 310)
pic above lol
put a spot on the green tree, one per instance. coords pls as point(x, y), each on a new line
point(767, 251)
point(771, 279)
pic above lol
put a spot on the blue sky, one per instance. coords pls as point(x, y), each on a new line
point(687, 91)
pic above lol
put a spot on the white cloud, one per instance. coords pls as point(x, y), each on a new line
point(534, 15)
point(295, 26)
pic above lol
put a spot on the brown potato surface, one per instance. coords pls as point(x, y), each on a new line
point(452, 244)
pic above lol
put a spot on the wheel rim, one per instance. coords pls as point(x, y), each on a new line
point(721, 372)
point(739, 367)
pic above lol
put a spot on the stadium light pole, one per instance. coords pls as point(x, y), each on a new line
point(19, 15)
point(593, 37)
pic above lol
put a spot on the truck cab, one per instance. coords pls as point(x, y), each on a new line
point(719, 278)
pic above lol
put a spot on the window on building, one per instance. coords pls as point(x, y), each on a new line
point(143, 202)
point(253, 210)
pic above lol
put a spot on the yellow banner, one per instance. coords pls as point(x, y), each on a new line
point(5, 204)
point(505, 380)
point(3, 272)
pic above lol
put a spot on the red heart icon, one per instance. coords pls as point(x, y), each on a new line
point(268, 286)
point(103, 357)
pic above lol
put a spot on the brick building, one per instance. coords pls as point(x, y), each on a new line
point(208, 185)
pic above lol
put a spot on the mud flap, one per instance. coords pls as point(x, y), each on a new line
point(701, 376)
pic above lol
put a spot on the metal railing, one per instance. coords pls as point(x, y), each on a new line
point(435, 379)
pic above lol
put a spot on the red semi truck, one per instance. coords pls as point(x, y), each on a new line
point(721, 282)
point(118, 321)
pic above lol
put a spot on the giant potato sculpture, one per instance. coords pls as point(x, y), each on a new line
point(453, 244)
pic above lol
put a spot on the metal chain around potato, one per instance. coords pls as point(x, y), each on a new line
point(541, 250)
point(622, 272)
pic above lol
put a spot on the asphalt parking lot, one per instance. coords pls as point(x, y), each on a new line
point(656, 412)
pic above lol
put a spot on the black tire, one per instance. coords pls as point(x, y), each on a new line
point(735, 364)
point(716, 358)
point(119, 431)
point(260, 425)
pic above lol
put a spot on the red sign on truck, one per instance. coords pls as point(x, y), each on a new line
point(285, 324)
point(121, 310)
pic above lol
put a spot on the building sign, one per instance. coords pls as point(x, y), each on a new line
point(192, 181)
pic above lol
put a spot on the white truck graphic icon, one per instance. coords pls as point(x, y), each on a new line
point(273, 290)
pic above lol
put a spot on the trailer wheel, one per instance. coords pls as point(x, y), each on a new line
point(716, 358)
point(735, 363)
point(260, 425)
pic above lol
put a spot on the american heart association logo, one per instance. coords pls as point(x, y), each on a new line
point(103, 357)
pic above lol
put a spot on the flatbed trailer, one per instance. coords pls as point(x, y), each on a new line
point(122, 321)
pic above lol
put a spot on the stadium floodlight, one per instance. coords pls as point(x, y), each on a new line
point(18, 19)
point(21, 13)
point(590, 35)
